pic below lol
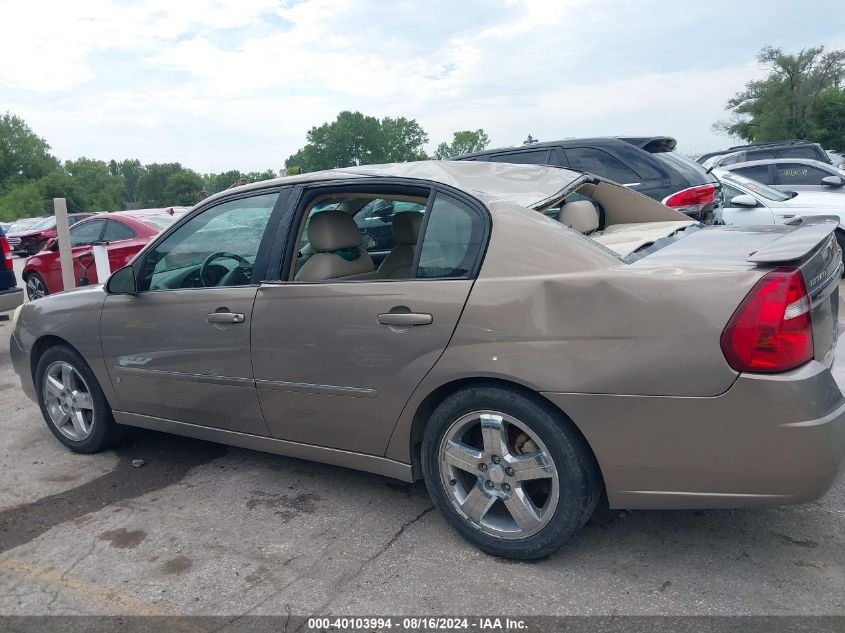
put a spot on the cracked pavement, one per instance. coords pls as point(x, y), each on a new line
point(211, 530)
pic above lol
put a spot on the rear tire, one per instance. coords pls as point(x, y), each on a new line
point(508, 471)
point(73, 404)
point(35, 286)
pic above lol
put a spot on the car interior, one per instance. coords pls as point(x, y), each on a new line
point(597, 210)
point(359, 236)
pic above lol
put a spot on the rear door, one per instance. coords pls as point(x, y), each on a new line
point(336, 360)
point(178, 349)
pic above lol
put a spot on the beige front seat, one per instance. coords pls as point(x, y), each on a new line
point(337, 240)
point(580, 215)
point(406, 231)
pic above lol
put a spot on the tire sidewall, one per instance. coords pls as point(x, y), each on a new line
point(579, 482)
point(103, 427)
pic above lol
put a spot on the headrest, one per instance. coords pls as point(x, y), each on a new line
point(332, 230)
point(581, 215)
point(406, 227)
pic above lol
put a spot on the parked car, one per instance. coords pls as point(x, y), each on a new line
point(645, 164)
point(797, 174)
point(123, 232)
point(10, 295)
point(750, 202)
point(521, 366)
point(764, 151)
point(34, 237)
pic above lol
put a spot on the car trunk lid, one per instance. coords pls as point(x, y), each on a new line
point(808, 245)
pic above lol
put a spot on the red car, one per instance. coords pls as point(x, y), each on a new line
point(36, 236)
point(124, 233)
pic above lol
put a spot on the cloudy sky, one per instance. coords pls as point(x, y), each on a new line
point(222, 84)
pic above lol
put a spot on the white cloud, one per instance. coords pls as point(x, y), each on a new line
point(219, 84)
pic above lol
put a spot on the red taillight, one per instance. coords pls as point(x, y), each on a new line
point(7, 253)
point(694, 197)
point(771, 331)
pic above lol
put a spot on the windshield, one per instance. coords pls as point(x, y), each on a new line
point(692, 171)
point(159, 222)
point(42, 224)
point(759, 188)
point(20, 225)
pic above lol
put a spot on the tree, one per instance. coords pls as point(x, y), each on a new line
point(464, 142)
point(782, 105)
point(355, 139)
point(131, 170)
point(182, 187)
point(828, 119)
point(23, 154)
point(95, 187)
point(152, 182)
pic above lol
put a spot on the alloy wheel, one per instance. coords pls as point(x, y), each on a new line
point(35, 288)
point(498, 474)
point(68, 401)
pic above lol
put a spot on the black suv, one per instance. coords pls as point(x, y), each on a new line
point(10, 295)
point(646, 164)
point(765, 151)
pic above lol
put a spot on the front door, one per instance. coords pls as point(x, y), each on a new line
point(738, 215)
point(179, 348)
point(336, 359)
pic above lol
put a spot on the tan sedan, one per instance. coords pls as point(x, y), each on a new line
point(526, 339)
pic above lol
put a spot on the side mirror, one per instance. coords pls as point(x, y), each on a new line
point(744, 200)
point(832, 181)
point(52, 245)
point(122, 282)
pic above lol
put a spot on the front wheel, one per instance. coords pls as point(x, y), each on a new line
point(509, 472)
point(35, 287)
point(72, 403)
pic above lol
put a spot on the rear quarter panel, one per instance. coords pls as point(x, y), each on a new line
point(556, 313)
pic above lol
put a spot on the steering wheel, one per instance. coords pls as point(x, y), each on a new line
point(205, 281)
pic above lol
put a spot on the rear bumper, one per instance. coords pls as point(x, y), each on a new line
point(10, 299)
point(768, 440)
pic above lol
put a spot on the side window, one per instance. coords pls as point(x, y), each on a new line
point(452, 241)
point(760, 173)
point(799, 152)
point(375, 220)
point(535, 157)
point(798, 174)
point(115, 231)
point(601, 164)
point(729, 193)
point(216, 248)
point(86, 233)
point(759, 154)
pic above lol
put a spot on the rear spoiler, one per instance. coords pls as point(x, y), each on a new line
point(808, 234)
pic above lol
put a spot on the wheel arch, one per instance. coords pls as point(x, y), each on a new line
point(41, 345)
point(428, 404)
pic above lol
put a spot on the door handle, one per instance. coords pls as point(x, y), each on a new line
point(405, 318)
point(225, 317)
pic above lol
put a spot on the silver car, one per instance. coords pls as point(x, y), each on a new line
point(533, 339)
point(793, 174)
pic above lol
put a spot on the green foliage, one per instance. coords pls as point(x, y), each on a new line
point(182, 187)
point(785, 104)
point(355, 139)
point(96, 188)
point(24, 156)
point(464, 142)
point(828, 119)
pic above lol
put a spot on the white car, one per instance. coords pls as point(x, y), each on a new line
point(747, 201)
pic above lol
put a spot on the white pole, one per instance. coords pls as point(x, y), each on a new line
point(101, 262)
point(65, 255)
